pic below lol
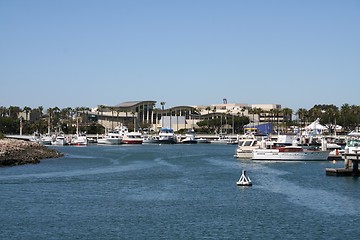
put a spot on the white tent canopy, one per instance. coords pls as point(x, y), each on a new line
point(315, 126)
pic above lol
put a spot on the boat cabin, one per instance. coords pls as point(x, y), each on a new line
point(290, 149)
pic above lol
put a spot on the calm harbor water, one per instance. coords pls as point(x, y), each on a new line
point(174, 192)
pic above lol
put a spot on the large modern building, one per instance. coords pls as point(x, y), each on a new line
point(145, 115)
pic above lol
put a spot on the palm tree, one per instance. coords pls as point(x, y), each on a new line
point(214, 110)
point(162, 112)
point(112, 116)
point(50, 113)
point(101, 109)
point(41, 109)
point(56, 117)
point(14, 112)
point(208, 109)
point(27, 111)
point(302, 114)
point(66, 118)
point(287, 112)
point(226, 117)
point(257, 111)
point(344, 114)
point(276, 113)
point(3, 111)
point(133, 114)
point(242, 111)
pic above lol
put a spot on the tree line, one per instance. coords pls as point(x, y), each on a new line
point(49, 120)
point(347, 116)
point(66, 119)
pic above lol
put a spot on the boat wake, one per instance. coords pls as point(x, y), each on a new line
point(316, 199)
point(74, 173)
point(165, 163)
point(72, 156)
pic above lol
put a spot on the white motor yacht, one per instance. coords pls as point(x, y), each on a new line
point(150, 139)
point(167, 136)
point(114, 137)
point(189, 137)
point(245, 147)
point(290, 153)
point(59, 140)
point(79, 139)
point(132, 138)
point(352, 148)
point(42, 139)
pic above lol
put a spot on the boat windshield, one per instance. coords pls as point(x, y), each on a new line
point(353, 143)
point(248, 143)
point(167, 130)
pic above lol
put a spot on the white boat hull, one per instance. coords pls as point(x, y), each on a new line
point(219, 141)
point(167, 136)
point(150, 140)
point(109, 141)
point(275, 155)
point(167, 140)
point(79, 142)
point(244, 154)
point(202, 140)
point(59, 141)
point(132, 138)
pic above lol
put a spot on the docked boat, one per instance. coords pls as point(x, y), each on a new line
point(248, 142)
point(290, 153)
point(132, 138)
point(45, 139)
point(167, 136)
point(189, 138)
point(202, 140)
point(110, 138)
point(223, 139)
point(150, 139)
point(352, 148)
point(59, 140)
point(79, 139)
point(42, 139)
point(114, 137)
point(246, 146)
point(335, 151)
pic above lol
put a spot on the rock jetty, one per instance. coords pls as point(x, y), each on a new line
point(18, 152)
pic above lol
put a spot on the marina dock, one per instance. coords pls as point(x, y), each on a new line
point(351, 166)
point(341, 172)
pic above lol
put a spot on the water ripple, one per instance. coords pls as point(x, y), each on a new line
point(79, 172)
point(312, 198)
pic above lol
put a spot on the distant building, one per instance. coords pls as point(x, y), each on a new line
point(266, 107)
point(134, 113)
point(260, 128)
point(30, 115)
point(143, 114)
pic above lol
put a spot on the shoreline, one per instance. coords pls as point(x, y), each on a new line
point(18, 152)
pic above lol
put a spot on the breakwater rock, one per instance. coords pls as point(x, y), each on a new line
point(17, 152)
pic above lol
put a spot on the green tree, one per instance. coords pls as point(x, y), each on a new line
point(14, 112)
point(287, 113)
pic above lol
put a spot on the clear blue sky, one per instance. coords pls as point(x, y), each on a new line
point(75, 53)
